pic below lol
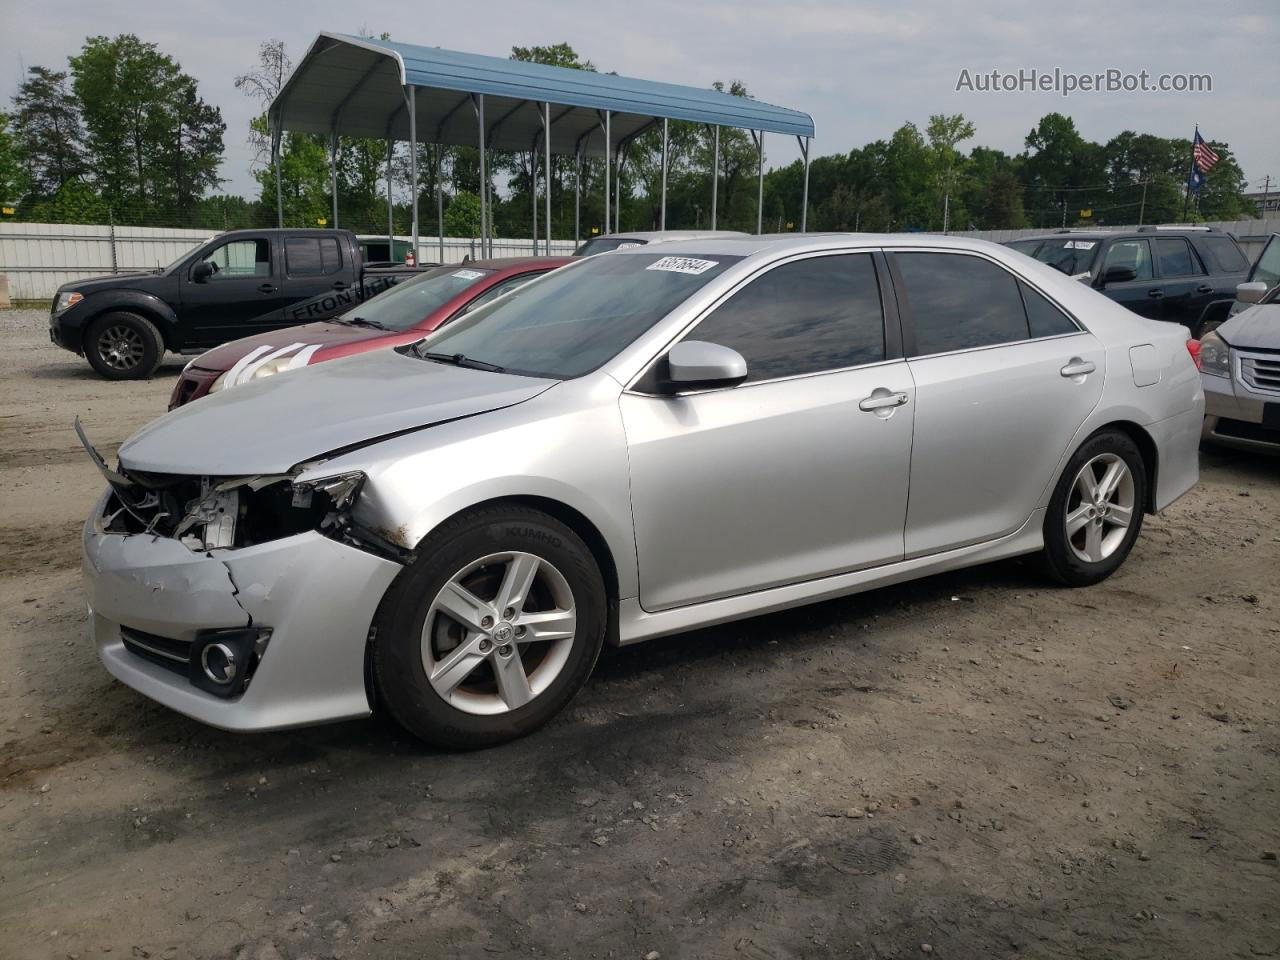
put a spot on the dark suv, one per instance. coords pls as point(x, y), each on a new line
point(1185, 275)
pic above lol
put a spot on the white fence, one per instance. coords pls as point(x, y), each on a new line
point(40, 257)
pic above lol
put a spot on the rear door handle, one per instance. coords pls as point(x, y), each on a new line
point(1078, 368)
point(1157, 293)
point(881, 400)
point(266, 288)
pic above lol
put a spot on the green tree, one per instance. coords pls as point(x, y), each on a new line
point(13, 175)
point(47, 125)
point(462, 216)
point(153, 144)
point(944, 133)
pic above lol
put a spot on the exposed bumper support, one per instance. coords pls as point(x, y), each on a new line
point(318, 596)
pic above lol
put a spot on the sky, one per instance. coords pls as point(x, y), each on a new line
point(861, 69)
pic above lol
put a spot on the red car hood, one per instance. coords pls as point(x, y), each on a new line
point(310, 343)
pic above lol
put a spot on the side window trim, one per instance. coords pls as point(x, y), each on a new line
point(893, 333)
point(911, 348)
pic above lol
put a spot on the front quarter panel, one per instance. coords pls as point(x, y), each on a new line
point(565, 445)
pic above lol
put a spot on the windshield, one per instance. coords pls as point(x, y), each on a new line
point(407, 304)
point(1024, 246)
point(573, 320)
point(173, 265)
point(1073, 257)
point(605, 244)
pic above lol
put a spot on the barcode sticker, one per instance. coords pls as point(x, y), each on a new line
point(682, 265)
point(467, 274)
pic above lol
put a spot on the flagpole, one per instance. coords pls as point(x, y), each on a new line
point(1186, 190)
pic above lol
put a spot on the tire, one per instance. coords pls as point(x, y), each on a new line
point(1099, 543)
point(476, 698)
point(123, 346)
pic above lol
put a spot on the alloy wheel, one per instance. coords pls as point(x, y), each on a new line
point(121, 347)
point(498, 633)
point(1100, 508)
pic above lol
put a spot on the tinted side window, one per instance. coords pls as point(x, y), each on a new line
point(330, 255)
point(1134, 254)
point(1176, 258)
point(1225, 254)
point(959, 302)
point(1043, 318)
point(812, 315)
point(312, 256)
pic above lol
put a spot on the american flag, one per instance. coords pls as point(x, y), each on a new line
point(1203, 154)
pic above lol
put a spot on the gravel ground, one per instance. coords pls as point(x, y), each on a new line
point(974, 765)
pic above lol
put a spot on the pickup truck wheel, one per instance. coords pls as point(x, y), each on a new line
point(123, 346)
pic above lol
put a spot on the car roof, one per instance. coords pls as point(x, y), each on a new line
point(745, 246)
point(666, 235)
point(511, 264)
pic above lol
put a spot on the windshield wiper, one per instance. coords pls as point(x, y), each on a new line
point(361, 322)
point(461, 360)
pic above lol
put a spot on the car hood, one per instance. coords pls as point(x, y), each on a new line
point(110, 281)
point(1257, 328)
point(273, 424)
point(299, 340)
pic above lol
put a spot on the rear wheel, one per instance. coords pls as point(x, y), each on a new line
point(493, 629)
point(124, 346)
point(1095, 513)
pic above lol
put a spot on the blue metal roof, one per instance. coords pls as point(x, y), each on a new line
point(354, 84)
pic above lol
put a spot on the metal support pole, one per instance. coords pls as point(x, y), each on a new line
point(546, 126)
point(440, 197)
point(804, 196)
point(275, 151)
point(607, 161)
point(391, 224)
point(662, 210)
point(413, 165)
point(759, 139)
point(333, 173)
point(577, 197)
point(715, 177)
point(478, 101)
point(617, 192)
point(533, 193)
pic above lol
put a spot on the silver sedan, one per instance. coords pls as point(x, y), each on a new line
point(635, 445)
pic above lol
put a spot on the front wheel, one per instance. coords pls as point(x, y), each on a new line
point(1095, 513)
point(124, 346)
point(492, 631)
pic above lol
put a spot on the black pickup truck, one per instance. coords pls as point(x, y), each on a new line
point(235, 285)
point(1185, 275)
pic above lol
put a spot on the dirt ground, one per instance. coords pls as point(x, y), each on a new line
point(974, 765)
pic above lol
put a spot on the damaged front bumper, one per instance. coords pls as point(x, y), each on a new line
point(309, 599)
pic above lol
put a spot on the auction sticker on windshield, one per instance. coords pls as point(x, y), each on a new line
point(468, 274)
point(1079, 245)
point(682, 265)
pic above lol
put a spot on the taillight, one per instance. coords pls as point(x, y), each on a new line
point(1193, 348)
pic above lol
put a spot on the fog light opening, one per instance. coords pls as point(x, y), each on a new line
point(220, 664)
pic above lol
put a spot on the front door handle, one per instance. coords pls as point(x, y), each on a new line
point(266, 288)
point(1204, 288)
point(1155, 293)
point(881, 399)
point(1077, 367)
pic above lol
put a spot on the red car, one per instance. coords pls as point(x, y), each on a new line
point(403, 314)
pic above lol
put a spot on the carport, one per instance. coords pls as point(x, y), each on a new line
point(355, 86)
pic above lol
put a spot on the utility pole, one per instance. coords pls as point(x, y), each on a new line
point(946, 211)
point(1143, 209)
point(1266, 190)
point(1063, 204)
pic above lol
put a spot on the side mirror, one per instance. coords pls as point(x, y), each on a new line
point(1119, 275)
point(201, 272)
point(697, 363)
point(1251, 292)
